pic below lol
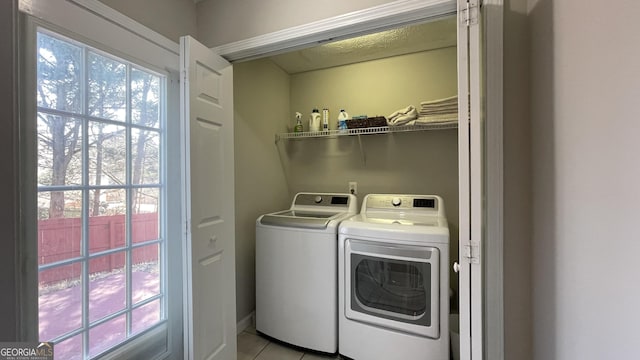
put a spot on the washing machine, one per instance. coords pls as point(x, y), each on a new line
point(297, 270)
point(393, 279)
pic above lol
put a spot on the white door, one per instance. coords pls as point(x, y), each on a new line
point(207, 120)
point(471, 158)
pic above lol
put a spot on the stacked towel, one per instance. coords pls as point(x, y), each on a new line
point(441, 110)
point(435, 111)
point(438, 107)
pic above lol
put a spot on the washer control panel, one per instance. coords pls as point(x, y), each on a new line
point(331, 200)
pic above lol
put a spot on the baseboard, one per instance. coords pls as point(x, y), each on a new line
point(246, 322)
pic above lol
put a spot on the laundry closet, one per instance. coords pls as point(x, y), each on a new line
point(373, 75)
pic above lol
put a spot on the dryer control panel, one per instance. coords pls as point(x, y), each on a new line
point(418, 203)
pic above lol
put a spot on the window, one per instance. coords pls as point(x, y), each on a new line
point(101, 198)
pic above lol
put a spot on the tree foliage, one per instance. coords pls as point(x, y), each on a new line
point(80, 91)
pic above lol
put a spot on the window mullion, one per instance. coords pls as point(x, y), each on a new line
point(84, 85)
point(162, 258)
point(128, 216)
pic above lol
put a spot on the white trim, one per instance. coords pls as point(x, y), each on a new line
point(477, 181)
point(464, 207)
point(28, 185)
point(129, 24)
point(185, 179)
point(359, 22)
point(494, 244)
point(246, 322)
point(93, 22)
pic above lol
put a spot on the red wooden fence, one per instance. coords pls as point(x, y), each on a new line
point(60, 239)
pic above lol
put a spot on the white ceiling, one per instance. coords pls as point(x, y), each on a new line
point(399, 41)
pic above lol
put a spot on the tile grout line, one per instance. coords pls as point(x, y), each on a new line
point(267, 344)
point(261, 350)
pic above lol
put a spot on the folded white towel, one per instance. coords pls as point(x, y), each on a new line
point(402, 112)
point(449, 100)
point(437, 112)
point(402, 116)
point(446, 118)
point(439, 107)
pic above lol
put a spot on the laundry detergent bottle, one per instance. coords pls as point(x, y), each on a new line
point(342, 120)
point(314, 120)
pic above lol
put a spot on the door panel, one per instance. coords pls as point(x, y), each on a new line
point(207, 108)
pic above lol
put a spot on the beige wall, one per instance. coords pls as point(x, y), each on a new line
point(420, 163)
point(377, 87)
point(171, 18)
point(584, 59)
point(222, 22)
point(261, 97)
point(517, 184)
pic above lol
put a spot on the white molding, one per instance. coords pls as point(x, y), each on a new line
point(103, 27)
point(127, 23)
point(494, 265)
point(464, 187)
point(246, 322)
point(359, 22)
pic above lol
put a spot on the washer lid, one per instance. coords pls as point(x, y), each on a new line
point(300, 219)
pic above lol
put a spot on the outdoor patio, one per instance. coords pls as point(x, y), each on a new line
point(61, 310)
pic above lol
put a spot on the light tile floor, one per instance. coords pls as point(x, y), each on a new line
point(252, 346)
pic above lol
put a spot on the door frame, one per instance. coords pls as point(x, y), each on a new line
point(361, 22)
point(406, 12)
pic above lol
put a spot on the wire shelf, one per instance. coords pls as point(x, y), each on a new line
point(366, 131)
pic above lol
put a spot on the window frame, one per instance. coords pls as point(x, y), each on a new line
point(86, 188)
point(167, 334)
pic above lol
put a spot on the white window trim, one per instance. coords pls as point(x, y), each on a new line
point(113, 31)
point(99, 26)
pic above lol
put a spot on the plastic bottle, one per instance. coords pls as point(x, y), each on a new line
point(342, 120)
point(314, 120)
point(298, 127)
point(325, 119)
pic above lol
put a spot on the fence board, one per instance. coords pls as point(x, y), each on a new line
point(60, 239)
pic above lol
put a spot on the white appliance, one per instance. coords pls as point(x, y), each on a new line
point(296, 270)
point(393, 279)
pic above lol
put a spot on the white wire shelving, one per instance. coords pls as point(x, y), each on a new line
point(366, 131)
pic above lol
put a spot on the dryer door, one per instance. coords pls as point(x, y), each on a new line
point(395, 286)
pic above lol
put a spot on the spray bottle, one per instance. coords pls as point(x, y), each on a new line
point(298, 127)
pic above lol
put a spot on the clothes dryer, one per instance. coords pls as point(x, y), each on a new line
point(296, 270)
point(393, 279)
